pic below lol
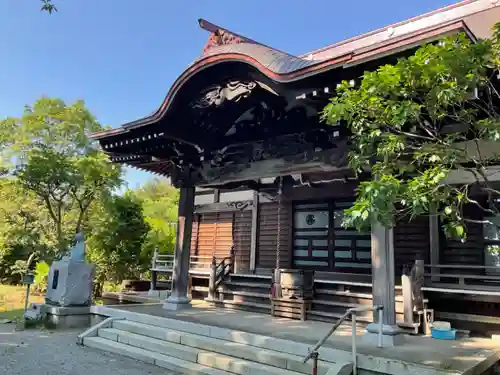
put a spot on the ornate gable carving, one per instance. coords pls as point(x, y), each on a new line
point(221, 37)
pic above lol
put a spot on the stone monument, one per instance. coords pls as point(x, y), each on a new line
point(70, 279)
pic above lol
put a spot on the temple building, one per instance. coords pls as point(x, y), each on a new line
point(264, 185)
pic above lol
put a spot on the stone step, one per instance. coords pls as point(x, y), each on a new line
point(211, 357)
point(170, 363)
point(233, 349)
point(244, 293)
point(147, 343)
point(249, 285)
point(240, 305)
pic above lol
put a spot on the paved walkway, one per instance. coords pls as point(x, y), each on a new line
point(40, 352)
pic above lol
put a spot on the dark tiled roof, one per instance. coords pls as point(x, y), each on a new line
point(283, 67)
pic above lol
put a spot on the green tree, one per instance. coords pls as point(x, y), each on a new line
point(24, 229)
point(115, 246)
point(50, 153)
point(48, 6)
point(159, 201)
point(418, 122)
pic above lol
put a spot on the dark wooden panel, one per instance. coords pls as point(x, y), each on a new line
point(242, 234)
point(268, 235)
point(325, 191)
point(470, 252)
point(411, 242)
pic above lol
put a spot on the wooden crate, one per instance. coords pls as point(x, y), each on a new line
point(290, 308)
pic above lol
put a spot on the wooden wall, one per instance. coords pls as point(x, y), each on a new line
point(411, 242)
point(267, 238)
point(215, 232)
point(470, 252)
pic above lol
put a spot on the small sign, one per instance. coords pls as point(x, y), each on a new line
point(28, 279)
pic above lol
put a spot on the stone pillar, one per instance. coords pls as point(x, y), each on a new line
point(178, 298)
point(383, 286)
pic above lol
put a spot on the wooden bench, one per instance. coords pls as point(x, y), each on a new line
point(161, 264)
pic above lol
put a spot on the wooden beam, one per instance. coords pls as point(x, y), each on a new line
point(224, 207)
point(306, 162)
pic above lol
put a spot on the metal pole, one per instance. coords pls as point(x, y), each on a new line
point(153, 273)
point(314, 356)
point(354, 352)
point(26, 304)
point(380, 326)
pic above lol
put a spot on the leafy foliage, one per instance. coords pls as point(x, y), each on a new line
point(55, 160)
point(55, 182)
point(116, 243)
point(48, 6)
point(419, 122)
point(41, 275)
point(159, 201)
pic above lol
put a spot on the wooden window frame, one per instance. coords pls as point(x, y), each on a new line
point(331, 236)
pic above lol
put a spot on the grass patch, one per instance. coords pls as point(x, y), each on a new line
point(12, 301)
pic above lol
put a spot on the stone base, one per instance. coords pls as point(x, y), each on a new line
point(391, 335)
point(70, 284)
point(67, 317)
point(153, 293)
point(177, 303)
point(34, 312)
point(159, 293)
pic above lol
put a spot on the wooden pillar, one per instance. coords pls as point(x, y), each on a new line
point(216, 195)
point(383, 271)
point(383, 284)
point(254, 233)
point(434, 245)
point(180, 276)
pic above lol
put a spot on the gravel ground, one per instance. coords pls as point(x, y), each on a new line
point(40, 352)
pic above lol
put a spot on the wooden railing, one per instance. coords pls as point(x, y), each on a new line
point(467, 278)
point(162, 261)
point(218, 273)
point(165, 262)
point(200, 262)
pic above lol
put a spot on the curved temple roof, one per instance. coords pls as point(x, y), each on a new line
point(225, 46)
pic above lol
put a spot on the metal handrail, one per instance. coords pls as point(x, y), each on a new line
point(313, 353)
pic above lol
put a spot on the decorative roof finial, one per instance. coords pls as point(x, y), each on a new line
point(220, 36)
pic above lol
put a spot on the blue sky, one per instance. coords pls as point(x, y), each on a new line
point(121, 56)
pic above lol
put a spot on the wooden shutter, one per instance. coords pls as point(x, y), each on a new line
point(242, 235)
point(213, 235)
point(268, 232)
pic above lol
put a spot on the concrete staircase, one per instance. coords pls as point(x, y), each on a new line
point(195, 354)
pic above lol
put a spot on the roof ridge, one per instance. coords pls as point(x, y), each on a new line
point(376, 31)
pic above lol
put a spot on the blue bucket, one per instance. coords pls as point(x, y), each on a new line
point(450, 334)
